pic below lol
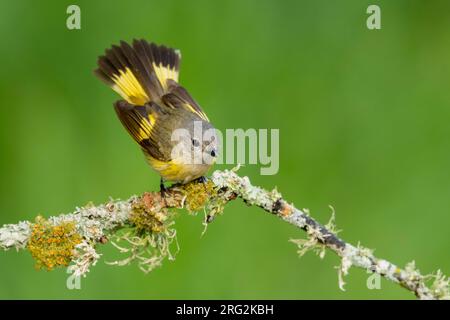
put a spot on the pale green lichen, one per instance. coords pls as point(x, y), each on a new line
point(315, 238)
point(440, 287)
point(149, 238)
point(331, 224)
point(148, 249)
point(311, 243)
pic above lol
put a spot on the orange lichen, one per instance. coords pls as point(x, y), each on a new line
point(52, 245)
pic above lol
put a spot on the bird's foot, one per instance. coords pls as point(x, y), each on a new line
point(202, 179)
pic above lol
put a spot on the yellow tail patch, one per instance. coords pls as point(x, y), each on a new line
point(164, 73)
point(129, 87)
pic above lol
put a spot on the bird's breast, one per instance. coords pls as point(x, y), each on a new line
point(178, 172)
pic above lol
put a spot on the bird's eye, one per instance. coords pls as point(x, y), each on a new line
point(195, 142)
point(213, 153)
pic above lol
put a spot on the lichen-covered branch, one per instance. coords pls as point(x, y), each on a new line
point(142, 228)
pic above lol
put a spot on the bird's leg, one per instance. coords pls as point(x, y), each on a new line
point(204, 180)
point(162, 189)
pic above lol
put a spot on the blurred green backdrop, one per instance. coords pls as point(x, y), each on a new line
point(363, 118)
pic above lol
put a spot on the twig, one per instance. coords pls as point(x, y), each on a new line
point(146, 225)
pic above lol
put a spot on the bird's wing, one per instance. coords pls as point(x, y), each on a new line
point(178, 97)
point(140, 124)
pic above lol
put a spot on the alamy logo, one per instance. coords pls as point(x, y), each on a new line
point(73, 21)
point(374, 20)
point(251, 146)
point(73, 280)
point(373, 281)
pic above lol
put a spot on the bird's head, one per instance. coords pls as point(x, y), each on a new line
point(196, 144)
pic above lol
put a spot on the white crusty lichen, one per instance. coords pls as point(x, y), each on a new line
point(93, 222)
point(352, 256)
point(84, 257)
point(15, 235)
point(252, 195)
point(346, 263)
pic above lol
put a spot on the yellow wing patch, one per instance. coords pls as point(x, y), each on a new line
point(138, 122)
point(198, 111)
point(142, 128)
point(129, 87)
point(145, 129)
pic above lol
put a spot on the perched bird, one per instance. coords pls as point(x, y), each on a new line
point(157, 112)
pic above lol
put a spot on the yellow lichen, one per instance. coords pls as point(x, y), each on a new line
point(197, 194)
point(52, 246)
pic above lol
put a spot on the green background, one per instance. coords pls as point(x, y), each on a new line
point(363, 118)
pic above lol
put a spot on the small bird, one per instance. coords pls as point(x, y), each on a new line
point(157, 112)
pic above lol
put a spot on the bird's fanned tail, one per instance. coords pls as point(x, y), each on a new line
point(140, 72)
